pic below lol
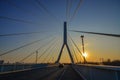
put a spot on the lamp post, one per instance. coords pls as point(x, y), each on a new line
point(82, 36)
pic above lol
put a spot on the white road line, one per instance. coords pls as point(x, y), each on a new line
point(62, 75)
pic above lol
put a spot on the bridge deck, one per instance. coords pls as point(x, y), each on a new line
point(70, 74)
point(50, 73)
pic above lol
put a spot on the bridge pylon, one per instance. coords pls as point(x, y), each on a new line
point(65, 44)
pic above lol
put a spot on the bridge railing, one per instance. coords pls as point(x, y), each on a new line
point(13, 67)
point(17, 67)
point(99, 72)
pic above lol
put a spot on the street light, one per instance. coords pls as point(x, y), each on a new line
point(84, 54)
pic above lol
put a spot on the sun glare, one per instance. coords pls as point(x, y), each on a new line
point(85, 54)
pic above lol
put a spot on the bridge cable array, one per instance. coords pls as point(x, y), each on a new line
point(16, 34)
point(45, 51)
point(49, 50)
point(20, 8)
point(18, 20)
point(76, 47)
point(56, 50)
point(68, 8)
point(35, 51)
point(22, 46)
point(76, 10)
point(50, 47)
point(28, 58)
point(72, 48)
point(29, 12)
point(46, 9)
point(96, 33)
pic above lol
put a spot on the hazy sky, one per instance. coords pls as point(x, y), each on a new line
point(21, 16)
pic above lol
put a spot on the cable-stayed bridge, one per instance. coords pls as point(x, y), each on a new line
point(56, 71)
point(44, 62)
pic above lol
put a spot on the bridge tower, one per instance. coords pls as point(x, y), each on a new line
point(65, 44)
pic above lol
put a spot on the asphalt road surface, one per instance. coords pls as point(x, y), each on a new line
point(51, 73)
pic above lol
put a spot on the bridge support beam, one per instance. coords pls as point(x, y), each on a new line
point(65, 44)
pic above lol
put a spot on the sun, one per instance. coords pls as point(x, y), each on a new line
point(85, 54)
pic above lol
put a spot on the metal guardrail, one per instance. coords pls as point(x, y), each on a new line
point(99, 72)
point(18, 74)
point(8, 68)
point(14, 67)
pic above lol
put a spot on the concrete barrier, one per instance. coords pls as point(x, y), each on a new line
point(99, 72)
point(15, 67)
